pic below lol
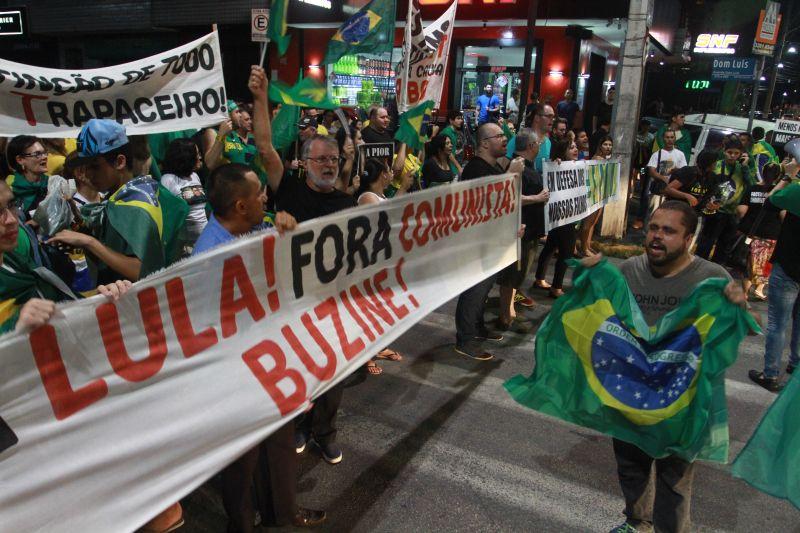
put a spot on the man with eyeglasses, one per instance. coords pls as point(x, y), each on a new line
point(542, 124)
point(470, 328)
point(314, 197)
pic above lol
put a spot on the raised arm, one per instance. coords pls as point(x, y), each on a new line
point(262, 130)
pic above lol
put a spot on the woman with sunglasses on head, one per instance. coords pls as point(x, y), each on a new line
point(27, 159)
point(561, 238)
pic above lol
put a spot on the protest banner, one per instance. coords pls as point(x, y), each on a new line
point(175, 90)
point(785, 131)
point(114, 410)
point(578, 188)
point(421, 71)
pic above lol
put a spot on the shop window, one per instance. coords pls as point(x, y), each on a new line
point(502, 67)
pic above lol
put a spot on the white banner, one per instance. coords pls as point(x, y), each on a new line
point(422, 77)
point(117, 409)
point(578, 188)
point(175, 90)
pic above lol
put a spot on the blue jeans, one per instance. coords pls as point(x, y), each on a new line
point(782, 307)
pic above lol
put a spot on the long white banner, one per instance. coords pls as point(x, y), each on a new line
point(577, 189)
point(175, 90)
point(421, 71)
point(117, 409)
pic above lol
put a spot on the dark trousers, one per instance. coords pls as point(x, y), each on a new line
point(644, 196)
point(666, 503)
point(719, 229)
point(320, 422)
point(563, 239)
point(277, 489)
point(469, 311)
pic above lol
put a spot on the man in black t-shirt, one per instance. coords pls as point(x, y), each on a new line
point(311, 198)
point(378, 129)
point(470, 328)
point(695, 184)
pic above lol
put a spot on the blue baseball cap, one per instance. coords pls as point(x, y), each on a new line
point(97, 137)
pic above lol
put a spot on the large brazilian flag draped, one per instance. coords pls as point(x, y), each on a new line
point(662, 388)
point(771, 459)
point(370, 30)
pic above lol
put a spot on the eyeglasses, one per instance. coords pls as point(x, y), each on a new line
point(37, 154)
point(493, 137)
point(329, 160)
point(14, 207)
point(551, 115)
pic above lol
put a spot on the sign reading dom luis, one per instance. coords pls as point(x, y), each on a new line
point(733, 69)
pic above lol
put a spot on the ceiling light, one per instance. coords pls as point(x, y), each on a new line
point(508, 34)
point(780, 65)
point(661, 63)
point(792, 50)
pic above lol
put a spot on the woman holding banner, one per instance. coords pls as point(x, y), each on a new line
point(561, 238)
point(604, 149)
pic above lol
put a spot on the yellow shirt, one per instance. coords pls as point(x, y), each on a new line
point(322, 130)
point(55, 161)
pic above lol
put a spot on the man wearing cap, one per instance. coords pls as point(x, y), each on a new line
point(135, 230)
point(487, 103)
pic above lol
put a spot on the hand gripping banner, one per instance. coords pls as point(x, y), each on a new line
point(175, 90)
point(114, 410)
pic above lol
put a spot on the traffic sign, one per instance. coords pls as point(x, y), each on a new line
point(734, 69)
point(769, 21)
point(259, 21)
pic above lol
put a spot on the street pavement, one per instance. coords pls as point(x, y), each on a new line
point(436, 444)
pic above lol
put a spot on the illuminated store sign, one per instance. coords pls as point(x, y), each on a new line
point(715, 43)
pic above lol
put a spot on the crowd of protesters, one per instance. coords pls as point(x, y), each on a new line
point(211, 186)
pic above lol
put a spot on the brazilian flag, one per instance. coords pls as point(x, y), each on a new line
point(276, 29)
point(662, 388)
point(788, 198)
point(141, 218)
point(371, 30)
point(284, 127)
point(771, 459)
point(307, 92)
point(410, 127)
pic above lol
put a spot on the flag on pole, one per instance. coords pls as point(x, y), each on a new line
point(305, 93)
point(662, 388)
point(370, 30)
point(410, 128)
point(284, 127)
point(276, 30)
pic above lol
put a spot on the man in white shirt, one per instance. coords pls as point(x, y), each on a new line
point(659, 169)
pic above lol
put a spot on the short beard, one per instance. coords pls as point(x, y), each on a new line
point(669, 257)
point(322, 183)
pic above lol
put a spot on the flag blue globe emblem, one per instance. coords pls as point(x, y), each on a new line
point(356, 28)
point(640, 375)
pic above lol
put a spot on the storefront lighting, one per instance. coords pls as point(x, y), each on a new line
point(557, 73)
point(762, 78)
point(508, 34)
point(583, 76)
point(792, 50)
point(715, 43)
point(314, 67)
point(785, 94)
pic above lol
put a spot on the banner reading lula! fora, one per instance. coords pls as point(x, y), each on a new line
point(117, 409)
point(421, 71)
point(175, 90)
point(577, 189)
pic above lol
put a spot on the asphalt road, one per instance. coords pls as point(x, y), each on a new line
point(436, 444)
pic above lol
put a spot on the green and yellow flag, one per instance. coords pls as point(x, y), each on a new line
point(276, 30)
point(284, 127)
point(788, 198)
point(371, 30)
point(771, 459)
point(662, 388)
point(410, 127)
point(306, 93)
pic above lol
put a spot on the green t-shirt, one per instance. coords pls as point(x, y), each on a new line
point(244, 151)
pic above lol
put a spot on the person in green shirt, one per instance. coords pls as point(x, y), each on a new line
point(234, 145)
point(720, 221)
point(135, 230)
point(455, 132)
point(28, 159)
point(683, 139)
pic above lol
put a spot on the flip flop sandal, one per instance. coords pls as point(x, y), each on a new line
point(389, 355)
point(373, 369)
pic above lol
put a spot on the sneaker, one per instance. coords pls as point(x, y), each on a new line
point(474, 350)
point(523, 300)
point(771, 384)
point(624, 528)
point(487, 335)
point(308, 517)
point(300, 441)
point(790, 368)
point(331, 453)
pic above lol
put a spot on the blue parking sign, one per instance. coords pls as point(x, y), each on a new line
point(733, 69)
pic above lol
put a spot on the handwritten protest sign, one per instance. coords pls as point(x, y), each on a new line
point(578, 188)
point(175, 90)
point(115, 409)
